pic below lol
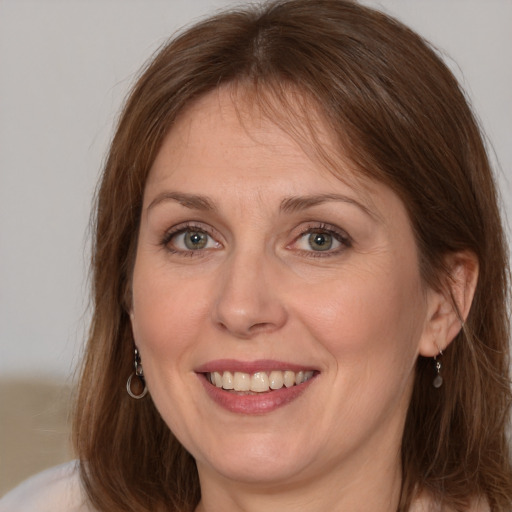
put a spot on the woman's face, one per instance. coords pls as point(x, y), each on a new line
point(257, 268)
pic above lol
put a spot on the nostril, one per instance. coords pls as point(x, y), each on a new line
point(260, 327)
point(245, 331)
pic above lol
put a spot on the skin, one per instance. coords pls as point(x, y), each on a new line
point(358, 313)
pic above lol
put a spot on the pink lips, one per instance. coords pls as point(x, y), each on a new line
point(251, 403)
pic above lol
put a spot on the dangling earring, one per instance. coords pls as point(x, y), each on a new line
point(140, 374)
point(438, 380)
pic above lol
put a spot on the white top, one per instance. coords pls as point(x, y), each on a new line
point(57, 489)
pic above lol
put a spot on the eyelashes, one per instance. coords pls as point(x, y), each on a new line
point(190, 239)
point(315, 239)
point(321, 240)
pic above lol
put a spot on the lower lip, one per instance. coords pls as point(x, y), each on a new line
point(260, 403)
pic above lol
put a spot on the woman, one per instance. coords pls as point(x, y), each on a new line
point(300, 279)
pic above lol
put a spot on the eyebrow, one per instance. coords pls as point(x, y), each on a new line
point(298, 203)
point(288, 205)
point(192, 201)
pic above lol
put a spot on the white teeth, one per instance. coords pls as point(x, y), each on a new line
point(242, 382)
point(289, 379)
point(227, 381)
point(259, 382)
point(276, 380)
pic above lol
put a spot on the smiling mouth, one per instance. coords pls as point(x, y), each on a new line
point(258, 382)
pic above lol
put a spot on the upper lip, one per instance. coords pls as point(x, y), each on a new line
point(265, 365)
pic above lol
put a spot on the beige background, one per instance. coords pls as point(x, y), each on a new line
point(34, 428)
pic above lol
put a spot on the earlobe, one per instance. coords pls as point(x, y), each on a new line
point(449, 307)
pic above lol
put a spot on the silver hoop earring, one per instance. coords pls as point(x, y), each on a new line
point(438, 380)
point(140, 375)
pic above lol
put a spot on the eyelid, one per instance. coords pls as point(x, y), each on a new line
point(183, 227)
point(311, 227)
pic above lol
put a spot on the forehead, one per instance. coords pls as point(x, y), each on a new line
point(271, 131)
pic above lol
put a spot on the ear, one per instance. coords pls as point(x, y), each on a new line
point(448, 308)
point(132, 315)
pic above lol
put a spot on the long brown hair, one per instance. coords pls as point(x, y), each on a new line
point(401, 117)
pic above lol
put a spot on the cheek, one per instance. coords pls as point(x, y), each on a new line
point(164, 319)
point(367, 317)
point(165, 311)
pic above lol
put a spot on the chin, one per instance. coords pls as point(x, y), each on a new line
point(255, 460)
point(268, 471)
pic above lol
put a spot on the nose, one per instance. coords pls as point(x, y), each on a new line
point(248, 300)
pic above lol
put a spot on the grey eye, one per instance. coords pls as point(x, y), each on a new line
point(320, 241)
point(194, 240)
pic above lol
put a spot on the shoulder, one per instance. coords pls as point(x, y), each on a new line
point(56, 489)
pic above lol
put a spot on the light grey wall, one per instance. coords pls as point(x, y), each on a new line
point(65, 67)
